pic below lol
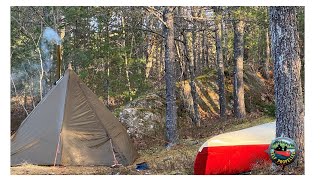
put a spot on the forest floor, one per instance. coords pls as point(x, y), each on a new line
point(176, 161)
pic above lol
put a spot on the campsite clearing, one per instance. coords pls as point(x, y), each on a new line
point(178, 160)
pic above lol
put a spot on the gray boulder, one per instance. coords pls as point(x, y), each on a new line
point(144, 116)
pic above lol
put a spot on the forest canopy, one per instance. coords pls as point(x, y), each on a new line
point(118, 51)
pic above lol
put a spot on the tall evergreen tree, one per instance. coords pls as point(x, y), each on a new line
point(238, 84)
point(287, 80)
point(171, 109)
point(190, 58)
point(221, 83)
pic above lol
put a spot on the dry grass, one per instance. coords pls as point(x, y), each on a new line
point(178, 160)
point(267, 168)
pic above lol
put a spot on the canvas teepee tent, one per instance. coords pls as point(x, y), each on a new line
point(70, 126)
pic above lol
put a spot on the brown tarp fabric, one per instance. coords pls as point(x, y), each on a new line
point(71, 127)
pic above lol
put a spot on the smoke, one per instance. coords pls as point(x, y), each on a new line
point(24, 75)
point(49, 37)
point(18, 75)
point(27, 74)
point(25, 70)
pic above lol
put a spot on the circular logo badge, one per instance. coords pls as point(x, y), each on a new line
point(283, 151)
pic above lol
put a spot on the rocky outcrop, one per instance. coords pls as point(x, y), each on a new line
point(143, 116)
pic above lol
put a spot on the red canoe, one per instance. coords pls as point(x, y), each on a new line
point(283, 153)
point(235, 152)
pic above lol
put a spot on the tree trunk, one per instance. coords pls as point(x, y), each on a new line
point(204, 51)
point(188, 36)
point(221, 83)
point(41, 85)
point(161, 61)
point(238, 90)
point(150, 52)
point(190, 57)
point(224, 38)
point(207, 55)
point(195, 41)
point(260, 51)
point(265, 71)
point(171, 110)
point(287, 79)
point(41, 72)
point(194, 49)
point(31, 93)
point(107, 81)
point(126, 58)
point(182, 64)
point(25, 104)
point(202, 39)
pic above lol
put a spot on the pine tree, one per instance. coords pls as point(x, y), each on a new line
point(171, 110)
point(238, 84)
point(287, 80)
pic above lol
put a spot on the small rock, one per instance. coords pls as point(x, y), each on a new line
point(175, 173)
point(167, 159)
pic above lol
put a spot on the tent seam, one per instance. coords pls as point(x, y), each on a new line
point(91, 106)
point(64, 114)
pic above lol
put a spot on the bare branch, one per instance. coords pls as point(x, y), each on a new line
point(158, 34)
point(195, 18)
point(25, 31)
point(157, 14)
point(39, 15)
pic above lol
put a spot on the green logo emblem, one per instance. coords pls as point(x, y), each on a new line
point(283, 151)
